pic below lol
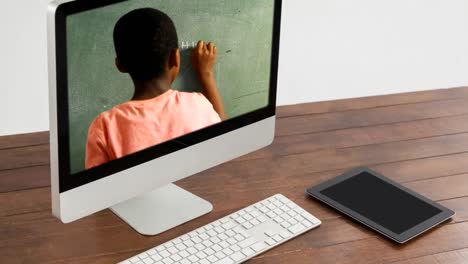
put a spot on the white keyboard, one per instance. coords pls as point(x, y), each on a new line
point(235, 238)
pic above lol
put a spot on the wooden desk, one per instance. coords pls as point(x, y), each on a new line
point(418, 139)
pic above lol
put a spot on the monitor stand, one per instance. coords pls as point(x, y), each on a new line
point(161, 209)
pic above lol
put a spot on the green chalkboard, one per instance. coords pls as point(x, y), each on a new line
point(241, 30)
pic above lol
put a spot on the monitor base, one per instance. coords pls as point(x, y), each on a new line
point(161, 209)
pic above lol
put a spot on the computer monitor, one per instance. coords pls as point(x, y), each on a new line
point(119, 136)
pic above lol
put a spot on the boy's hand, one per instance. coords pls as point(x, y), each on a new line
point(203, 58)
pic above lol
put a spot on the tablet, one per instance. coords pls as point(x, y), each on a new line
point(380, 203)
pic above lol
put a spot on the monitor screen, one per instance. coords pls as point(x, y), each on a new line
point(138, 75)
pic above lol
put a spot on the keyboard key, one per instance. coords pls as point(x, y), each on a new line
point(176, 257)
point(216, 248)
point(243, 233)
point(277, 238)
point(168, 261)
point(156, 257)
point(207, 243)
point(249, 241)
point(231, 241)
point(193, 258)
point(151, 252)
point(278, 219)
point(239, 237)
point(212, 259)
point(255, 213)
point(204, 261)
point(277, 203)
point(220, 255)
point(181, 246)
point(209, 251)
point(285, 234)
point(264, 209)
point(148, 260)
point(310, 218)
point(247, 225)
point(229, 233)
point(192, 250)
point(169, 244)
point(184, 254)
point(270, 241)
point(299, 217)
point(201, 255)
point(270, 233)
point(189, 243)
point(271, 214)
point(238, 256)
point(306, 223)
point(164, 254)
point(240, 220)
point(212, 233)
point(196, 240)
point(228, 225)
point(143, 255)
point(219, 229)
point(228, 251)
point(215, 240)
point(235, 248)
point(224, 244)
point(225, 261)
point(296, 228)
point(199, 247)
point(254, 222)
point(248, 252)
point(172, 250)
point(135, 259)
point(258, 246)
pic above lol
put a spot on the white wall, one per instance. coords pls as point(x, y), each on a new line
point(341, 48)
point(330, 49)
point(23, 67)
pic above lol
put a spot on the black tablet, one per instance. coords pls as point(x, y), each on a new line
point(380, 203)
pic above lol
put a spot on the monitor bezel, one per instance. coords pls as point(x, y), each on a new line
point(68, 180)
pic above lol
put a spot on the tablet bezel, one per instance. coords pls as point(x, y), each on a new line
point(400, 238)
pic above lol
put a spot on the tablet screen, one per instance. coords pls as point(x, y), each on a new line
point(381, 202)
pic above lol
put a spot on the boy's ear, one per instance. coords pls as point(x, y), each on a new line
point(119, 66)
point(174, 58)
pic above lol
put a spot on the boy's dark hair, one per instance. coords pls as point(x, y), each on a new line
point(143, 40)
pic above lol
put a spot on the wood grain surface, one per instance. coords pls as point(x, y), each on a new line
point(419, 139)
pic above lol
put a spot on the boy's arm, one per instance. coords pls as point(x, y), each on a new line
point(203, 60)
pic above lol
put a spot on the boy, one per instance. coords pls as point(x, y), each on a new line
point(146, 45)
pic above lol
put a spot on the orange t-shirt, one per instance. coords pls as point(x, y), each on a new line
point(136, 125)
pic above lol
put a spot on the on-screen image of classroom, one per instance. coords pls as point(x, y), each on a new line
point(142, 72)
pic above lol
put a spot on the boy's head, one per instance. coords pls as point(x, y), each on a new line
point(146, 44)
